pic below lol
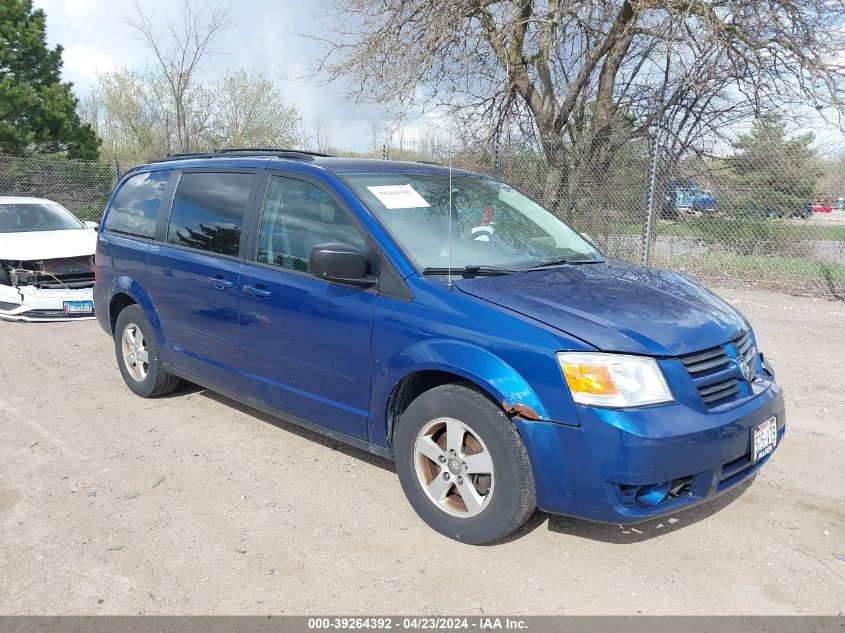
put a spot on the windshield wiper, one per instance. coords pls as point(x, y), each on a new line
point(471, 270)
point(564, 260)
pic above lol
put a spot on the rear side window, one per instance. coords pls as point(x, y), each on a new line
point(208, 211)
point(135, 207)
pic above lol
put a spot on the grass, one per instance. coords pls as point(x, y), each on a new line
point(786, 274)
point(834, 233)
point(704, 227)
point(796, 231)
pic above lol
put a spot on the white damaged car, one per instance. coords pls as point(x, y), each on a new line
point(46, 261)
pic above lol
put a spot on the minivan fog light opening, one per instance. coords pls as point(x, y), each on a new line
point(651, 495)
point(613, 380)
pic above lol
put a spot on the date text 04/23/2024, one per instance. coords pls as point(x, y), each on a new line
point(417, 623)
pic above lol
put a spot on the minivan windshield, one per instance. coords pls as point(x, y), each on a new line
point(21, 217)
point(492, 224)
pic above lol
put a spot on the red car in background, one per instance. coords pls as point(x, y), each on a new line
point(822, 204)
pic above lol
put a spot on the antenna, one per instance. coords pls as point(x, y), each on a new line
point(449, 274)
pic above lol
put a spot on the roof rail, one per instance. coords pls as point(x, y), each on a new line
point(293, 154)
point(273, 150)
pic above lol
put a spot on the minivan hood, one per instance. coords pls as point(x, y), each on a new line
point(615, 306)
point(33, 245)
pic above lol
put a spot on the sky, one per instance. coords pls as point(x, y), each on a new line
point(263, 38)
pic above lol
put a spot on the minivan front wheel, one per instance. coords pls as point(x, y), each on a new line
point(463, 466)
point(138, 355)
point(454, 467)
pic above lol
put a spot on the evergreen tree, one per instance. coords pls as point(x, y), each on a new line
point(770, 171)
point(37, 109)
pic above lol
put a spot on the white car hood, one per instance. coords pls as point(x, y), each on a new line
point(30, 245)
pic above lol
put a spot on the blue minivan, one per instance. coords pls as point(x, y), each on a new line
point(441, 319)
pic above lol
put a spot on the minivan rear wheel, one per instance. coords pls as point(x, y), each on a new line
point(138, 355)
point(463, 466)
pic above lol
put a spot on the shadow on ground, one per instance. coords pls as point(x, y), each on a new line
point(647, 530)
point(606, 533)
point(616, 534)
point(290, 427)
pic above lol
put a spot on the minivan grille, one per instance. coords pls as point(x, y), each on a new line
point(711, 370)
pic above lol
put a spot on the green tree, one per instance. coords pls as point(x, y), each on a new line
point(251, 113)
point(771, 171)
point(37, 109)
point(134, 113)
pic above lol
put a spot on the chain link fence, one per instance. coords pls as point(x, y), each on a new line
point(778, 223)
point(82, 186)
point(770, 217)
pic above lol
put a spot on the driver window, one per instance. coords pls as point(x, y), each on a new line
point(297, 216)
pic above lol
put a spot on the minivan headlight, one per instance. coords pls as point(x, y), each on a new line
point(613, 380)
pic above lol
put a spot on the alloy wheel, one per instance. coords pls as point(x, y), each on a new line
point(454, 467)
point(135, 354)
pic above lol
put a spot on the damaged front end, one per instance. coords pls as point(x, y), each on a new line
point(47, 290)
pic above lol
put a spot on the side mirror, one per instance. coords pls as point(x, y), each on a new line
point(91, 225)
point(341, 262)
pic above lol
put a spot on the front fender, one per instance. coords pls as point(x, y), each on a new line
point(473, 363)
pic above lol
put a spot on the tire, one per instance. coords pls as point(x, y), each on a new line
point(450, 416)
point(147, 379)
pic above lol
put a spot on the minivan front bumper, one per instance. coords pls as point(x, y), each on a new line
point(588, 471)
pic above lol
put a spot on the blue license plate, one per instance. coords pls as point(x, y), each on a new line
point(79, 307)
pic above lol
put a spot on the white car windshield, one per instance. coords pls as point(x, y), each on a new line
point(37, 216)
point(492, 224)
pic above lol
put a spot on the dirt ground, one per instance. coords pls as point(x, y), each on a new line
point(192, 504)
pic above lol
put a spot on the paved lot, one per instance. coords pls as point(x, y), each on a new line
point(192, 504)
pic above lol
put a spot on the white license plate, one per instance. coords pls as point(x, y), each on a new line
point(79, 307)
point(763, 438)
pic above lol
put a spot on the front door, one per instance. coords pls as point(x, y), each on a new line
point(305, 342)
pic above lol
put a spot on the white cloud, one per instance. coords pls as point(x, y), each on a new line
point(76, 11)
point(262, 38)
point(83, 63)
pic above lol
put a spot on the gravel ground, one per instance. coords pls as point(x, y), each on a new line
point(192, 504)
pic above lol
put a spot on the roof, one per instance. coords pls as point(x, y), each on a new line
point(268, 159)
point(24, 200)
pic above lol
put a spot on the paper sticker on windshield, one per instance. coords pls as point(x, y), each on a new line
point(398, 196)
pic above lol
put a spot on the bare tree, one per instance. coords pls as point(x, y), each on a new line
point(321, 133)
point(180, 50)
point(375, 126)
point(585, 76)
point(382, 132)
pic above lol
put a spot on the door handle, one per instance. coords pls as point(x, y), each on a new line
point(259, 292)
point(220, 283)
